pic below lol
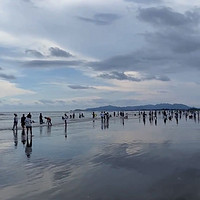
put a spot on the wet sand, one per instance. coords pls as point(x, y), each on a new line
point(97, 161)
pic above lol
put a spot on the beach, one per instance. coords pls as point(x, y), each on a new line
point(122, 159)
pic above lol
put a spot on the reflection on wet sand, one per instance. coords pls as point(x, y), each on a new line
point(23, 137)
point(65, 130)
point(28, 148)
point(15, 137)
point(160, 160)
point(49, 130)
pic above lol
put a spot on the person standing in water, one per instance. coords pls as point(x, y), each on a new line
point(65, 118)
point(48, 121)
point(15, 122)
point(23, 118)
point(41, 118)
point(28, 123)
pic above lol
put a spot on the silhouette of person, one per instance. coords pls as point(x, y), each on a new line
point(65, 118)
point(93, 115)
point(15, 122)
point(41, 118)
point(48, 121)
point(23, 118)
point(28, 123)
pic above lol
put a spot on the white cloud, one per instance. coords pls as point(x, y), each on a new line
point(8, 89)
point(92, 40)
point(7, 38)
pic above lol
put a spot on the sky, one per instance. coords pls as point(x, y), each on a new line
point(70, 54)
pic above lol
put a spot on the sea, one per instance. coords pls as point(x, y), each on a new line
point(136, 157)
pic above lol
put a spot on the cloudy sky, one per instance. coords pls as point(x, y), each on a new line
point(67, 54)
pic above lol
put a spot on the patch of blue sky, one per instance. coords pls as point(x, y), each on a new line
point(38, 77)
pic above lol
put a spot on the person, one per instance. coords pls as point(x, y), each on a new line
point(23, 118)
point(48, 121)
point(65, 118)
point(28, 123)
point(15, 122)
point(41, 118)
point(102, 116)
point(93, 115)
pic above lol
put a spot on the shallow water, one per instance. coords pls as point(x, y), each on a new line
point(90, 160)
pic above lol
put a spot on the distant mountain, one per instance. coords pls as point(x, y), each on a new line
point(142, 107)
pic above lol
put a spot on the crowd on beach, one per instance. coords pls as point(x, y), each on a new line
point(168, 115)
point(26, 124)
point(152, 116)
point(26, 121)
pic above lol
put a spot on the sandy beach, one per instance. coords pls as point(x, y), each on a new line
point(88, 160)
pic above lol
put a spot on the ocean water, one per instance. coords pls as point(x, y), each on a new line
point(123, 159)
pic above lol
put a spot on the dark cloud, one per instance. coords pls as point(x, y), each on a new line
point(8, 77)
point(117, 62)
point(173, 47)
point(162, 78)
point(165, 16)
point(51, 63)
point(153, 77)
point(80, 87)
point(176, 33)
point(101, 18)
point(142, 60)
point(144, 1)
point(118, 76)
point(34, 53)
point(55, 51)
point(122, 76)
point(175, 41)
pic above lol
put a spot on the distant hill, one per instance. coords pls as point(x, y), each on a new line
point(142, 107)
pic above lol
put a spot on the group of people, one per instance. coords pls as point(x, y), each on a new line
point(25, 122)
